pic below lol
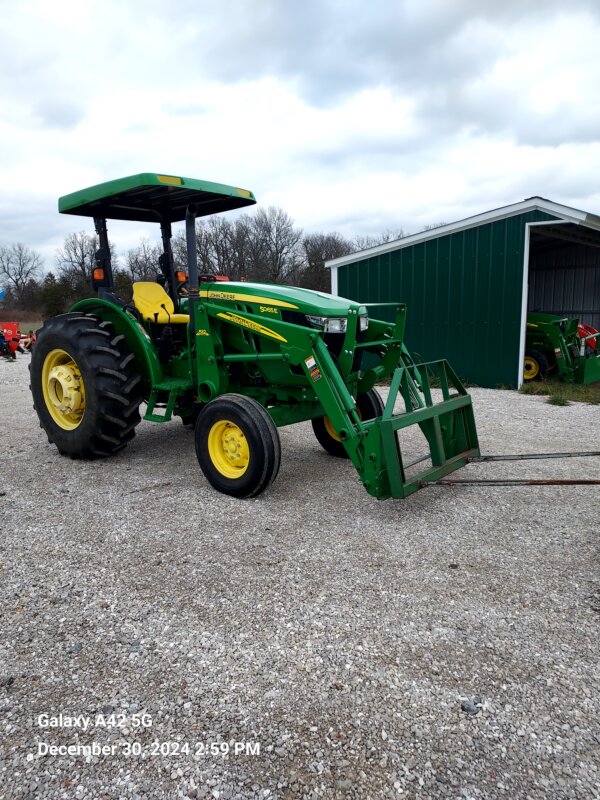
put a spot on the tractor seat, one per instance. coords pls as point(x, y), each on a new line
point(155, 305)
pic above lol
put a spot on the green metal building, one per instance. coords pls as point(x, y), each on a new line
point(468, 285)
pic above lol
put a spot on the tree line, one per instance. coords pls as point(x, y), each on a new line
point(261, 246)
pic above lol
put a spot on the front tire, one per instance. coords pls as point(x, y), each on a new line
point(237, 446)
point(86, 390)
point(369, 405)
point(535, 366)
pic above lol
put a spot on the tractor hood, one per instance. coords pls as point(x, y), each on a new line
point(535, 318)
point(291, 298)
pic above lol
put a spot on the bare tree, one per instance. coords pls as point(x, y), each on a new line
point(264, 246)
point(179, 247)
point(142, 262)
point(212, 247)
point(364, 242)
point(218, 232)
point(229, 245)
point(18, 266)
point(254, 249)
point(75, 260)
point(434, 226)
point(319, 248)
point(203, 248)
point(276, 255)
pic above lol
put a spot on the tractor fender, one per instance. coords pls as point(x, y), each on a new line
point(138, 340)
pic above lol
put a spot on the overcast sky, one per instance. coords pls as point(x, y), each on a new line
point(351, 116)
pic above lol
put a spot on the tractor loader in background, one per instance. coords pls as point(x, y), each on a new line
point(560, 347)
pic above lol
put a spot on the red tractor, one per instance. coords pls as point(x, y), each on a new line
point(10, 340)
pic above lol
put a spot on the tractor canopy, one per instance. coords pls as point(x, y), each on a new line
point(150, 197)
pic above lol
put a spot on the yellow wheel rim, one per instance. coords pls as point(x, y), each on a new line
point(228, 449)
point(531, 368)
point(63, 389)
point(330, 429)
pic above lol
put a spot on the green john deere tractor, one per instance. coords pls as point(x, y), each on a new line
point(561, 347)
point(236, 360)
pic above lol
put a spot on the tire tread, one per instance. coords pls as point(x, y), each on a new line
point(116, 385)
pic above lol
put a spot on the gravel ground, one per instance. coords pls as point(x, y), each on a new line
point(442, 646)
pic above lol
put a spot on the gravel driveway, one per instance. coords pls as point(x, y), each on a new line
point(311, 643)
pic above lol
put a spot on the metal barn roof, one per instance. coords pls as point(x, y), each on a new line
point(566, 213)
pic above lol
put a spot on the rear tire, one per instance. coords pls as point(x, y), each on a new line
point(369, 404)
point(237, 446)
point(535, 366)
point(86, 389)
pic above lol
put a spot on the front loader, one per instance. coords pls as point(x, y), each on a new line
point(237, 360)
point(561, 347)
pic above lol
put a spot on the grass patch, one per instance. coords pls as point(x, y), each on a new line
point(27, 319)
point(560, 394)
point(30, 325)
point(536, 387)
point(557, 400)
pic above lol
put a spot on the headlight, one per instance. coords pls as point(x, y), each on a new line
point(336, 325)
point(316, 322)
point(363, 322)
point(329, 324)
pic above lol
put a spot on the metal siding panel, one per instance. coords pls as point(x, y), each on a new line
point(566, 281)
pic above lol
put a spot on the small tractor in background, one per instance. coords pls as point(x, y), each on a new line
point(561, 347)
point(237, 360)
point(10, 340)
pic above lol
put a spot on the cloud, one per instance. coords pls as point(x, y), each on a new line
point(350, 116)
